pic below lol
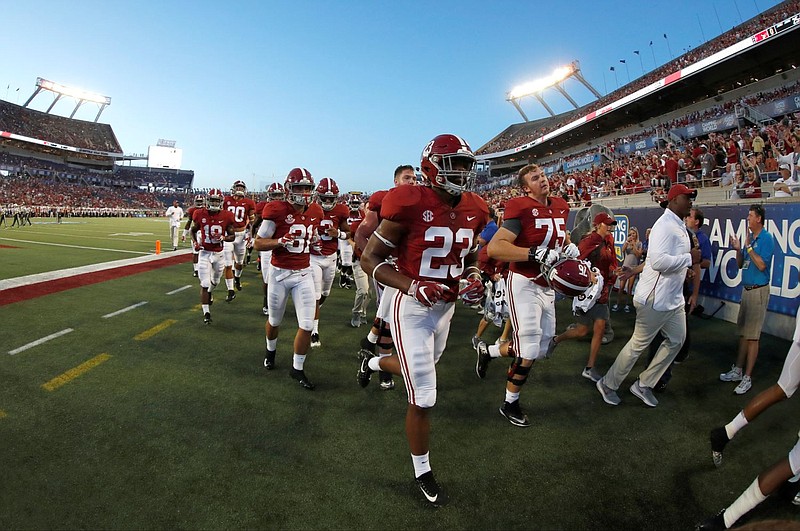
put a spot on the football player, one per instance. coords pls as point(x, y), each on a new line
point(289, 229)
point(332, 228)
point(243, 209)
point(199, 202)
point(274, 193)
point(215, 226)
point(349, 253)
point(380, 335)
point(432, 229)
point(531, 238)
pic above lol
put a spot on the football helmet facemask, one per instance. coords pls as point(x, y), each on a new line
point(199, 201)
point(327, 193)
point(354, 201)
point(239, 189)
point(299, 187)
point(448, 163)
point(275, 192)
point(214, 200)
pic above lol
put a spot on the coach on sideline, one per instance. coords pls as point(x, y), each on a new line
point(659, 303)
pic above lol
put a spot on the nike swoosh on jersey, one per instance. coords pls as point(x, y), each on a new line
point(470, 218)
point(313, 219)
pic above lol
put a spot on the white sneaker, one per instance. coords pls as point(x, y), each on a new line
point(733, 375)
point(744, 385)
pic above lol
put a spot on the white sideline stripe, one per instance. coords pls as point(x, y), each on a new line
point(173, 292)
point(75, 246)
point(129, 308)
point(92, 268)
point(40, 341)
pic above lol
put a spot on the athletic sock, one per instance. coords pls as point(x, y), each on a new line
point(751, 497)
point(372, 337)
point(422, 464)
point(511, 397)
point(206, 308)
point(229, 283)
point(733, 427)
point(298, 360)
point(375, 363)
point(316, 327)
point(272, 344)
point(494, 351)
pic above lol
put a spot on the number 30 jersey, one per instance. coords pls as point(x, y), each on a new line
point(302, 225)
point(540, 226)
point(438, 236)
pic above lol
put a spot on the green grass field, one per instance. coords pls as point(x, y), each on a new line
point(185, 429)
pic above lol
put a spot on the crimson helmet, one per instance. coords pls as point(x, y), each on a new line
point(199, 201)
point(327, 193)
point(570, 277)
point(239, 189)
point(439, 158)
point(299, 187)
point(275, 192)
point(354, 201)
point(214, 200)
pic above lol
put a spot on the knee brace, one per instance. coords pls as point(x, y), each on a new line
point(517, 374)
point(385, 341)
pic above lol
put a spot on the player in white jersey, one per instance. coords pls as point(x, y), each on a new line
point(175, 215)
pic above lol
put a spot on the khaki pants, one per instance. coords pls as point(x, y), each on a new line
point(649, 323)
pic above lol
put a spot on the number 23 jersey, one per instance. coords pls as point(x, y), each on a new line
point(438, 236)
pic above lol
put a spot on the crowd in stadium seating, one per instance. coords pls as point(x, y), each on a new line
point(57, 129)
point(519, 135)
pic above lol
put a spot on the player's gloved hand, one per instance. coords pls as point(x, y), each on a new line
point(287, 240)
point(543, 255)
point(317, 247)
point(471, 290)
point(571, 251)
point(427, 292)
point(196, 246)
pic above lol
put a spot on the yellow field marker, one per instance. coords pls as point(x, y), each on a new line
point(73, 373)
point(196, 308)
point(147, 334)
point(3, 414)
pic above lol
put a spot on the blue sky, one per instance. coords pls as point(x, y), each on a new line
point(349, 90)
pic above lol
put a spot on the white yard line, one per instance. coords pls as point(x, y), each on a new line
point(40, 341)
point(74, 246)
point(92, 268)
point(129, 308)
point(173, 292)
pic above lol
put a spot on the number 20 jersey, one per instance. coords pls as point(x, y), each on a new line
point(302, 225)
point(438, 236)
point(540, 226)
point(241, 208)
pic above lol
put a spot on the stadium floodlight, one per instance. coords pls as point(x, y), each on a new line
point(61, 90)
point(554, 81)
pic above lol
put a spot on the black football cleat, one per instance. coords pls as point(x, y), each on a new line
point(315, 342)
point(715, 523)
point(231, 295)
point(483, 359)
point(719, 438)
point(433, 493)
point(514, 414)
point(207, 318)
point(194, 274)
point(364, 372)
point(237, 283)
point(269, 360)
point(302, 379)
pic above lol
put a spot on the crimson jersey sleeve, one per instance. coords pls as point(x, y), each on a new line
point(437, 235)
point(302, 225)
point(540, 226)
point(376, 200)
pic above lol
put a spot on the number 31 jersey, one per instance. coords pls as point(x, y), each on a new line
point(438, 235)
point(302, 225)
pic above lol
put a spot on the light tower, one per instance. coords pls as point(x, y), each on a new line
point(555, 81)
point(62, 90)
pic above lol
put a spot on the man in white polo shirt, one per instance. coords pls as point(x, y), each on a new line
point(175, 215)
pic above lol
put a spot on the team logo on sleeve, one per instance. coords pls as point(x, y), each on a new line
point(427, 216)
point(289, 219)
point(535, 212)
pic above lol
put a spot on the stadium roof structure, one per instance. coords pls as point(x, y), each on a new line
point(769, 51)
point(554, 81)
point(82, 96)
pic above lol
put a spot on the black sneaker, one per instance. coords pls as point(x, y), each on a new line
point(237, 283)
point(433, 493)
point(483, 359)
point(269, 360)
point(367, 345)
point(514, 414)
point(364, 372)
point(231, 295)
point(719, 438)
point(207, 318)
point(387, 382)
point(302, 379)
point(315, 342)
point(715, 523)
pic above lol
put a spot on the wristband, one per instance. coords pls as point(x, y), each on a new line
point(342, 235)
point(532, 254)
point(749, 249)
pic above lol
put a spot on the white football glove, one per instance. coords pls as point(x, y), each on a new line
point(544, 256)
point(571, 251)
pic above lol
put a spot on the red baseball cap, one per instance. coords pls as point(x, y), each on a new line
point(603, 217)
point(681, 189)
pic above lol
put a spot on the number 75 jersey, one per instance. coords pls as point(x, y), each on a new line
point(438, 236)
